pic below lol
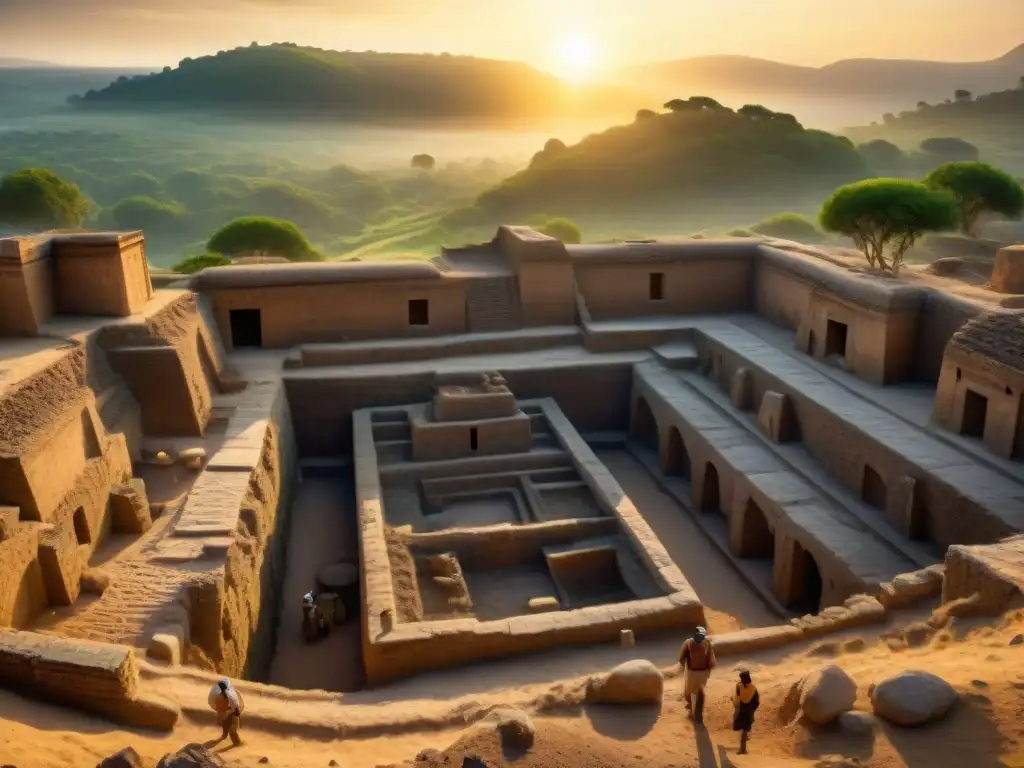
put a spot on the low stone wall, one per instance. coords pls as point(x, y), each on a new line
point(98, 678)
point(994, 572)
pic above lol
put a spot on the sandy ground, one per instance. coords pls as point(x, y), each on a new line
point(290, 729)
point(322, 533)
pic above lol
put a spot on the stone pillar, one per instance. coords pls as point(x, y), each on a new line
point(742, 388)
point(786, 577)
point(1008, 270)
point(775, 418)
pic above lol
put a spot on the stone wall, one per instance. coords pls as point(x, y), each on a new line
point(994, 572)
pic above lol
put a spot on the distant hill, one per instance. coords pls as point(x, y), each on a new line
point(357, 84)
point(701, 155)
point(25, 63)
point(928, 80)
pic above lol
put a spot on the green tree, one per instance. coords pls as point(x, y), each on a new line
point(192, 264)
point(978, 188)
point(40, 199)
point(887, 213)
point(756, 112)
point(424, 162)
point(788, 226)
point(881, 154)
point(260, 234)
point(950, 149)
point(145, 213)
point(564, 230)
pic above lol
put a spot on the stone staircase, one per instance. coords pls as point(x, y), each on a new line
point(492, 304)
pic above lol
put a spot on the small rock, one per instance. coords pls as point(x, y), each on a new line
point(856, 645)
point(826, 694)
point(627, 639)
point(94, 581)
point(857, 723)
point(543, 604)
point(126, 758)
point(635, 682)
point(514, 727)
point(192, 453)
point(918, 634)
point(163, 459)
point(264, 760)
point(427, 754)
point(333, 764)
point(192, 756)
point(1017, 640)
point(912, 698)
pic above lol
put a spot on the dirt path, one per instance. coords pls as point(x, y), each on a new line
point(322, 532)
point(729, 603)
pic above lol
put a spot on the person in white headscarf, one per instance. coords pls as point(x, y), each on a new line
point(227, 703)
point(697, 658)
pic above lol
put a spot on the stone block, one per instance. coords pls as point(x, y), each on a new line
point(167, 644)
point(742, 390)
point(1008, 270)
point(8, 522)
point(543, 604)
point(129, 509)
point(61, 565)
point(775, 418)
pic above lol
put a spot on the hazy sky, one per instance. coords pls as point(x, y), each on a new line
point(158, 32)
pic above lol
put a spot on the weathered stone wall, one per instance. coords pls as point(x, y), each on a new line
point(994, 572)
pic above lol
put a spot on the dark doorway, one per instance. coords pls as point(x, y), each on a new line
point(711, 500)
point(835, 339)
point(807, 599)
point(81, 527)
point(677, 462)
point(246, 328)
point(645, 428)
point(919, 527)
point(873, 490)
point(811, 343)
point(756, 538)
point(975, 414)
point(474, 439)
point(92, 442)
point(657, 286)
point(419, 312)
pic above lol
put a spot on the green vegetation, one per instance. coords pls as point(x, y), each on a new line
point(199, 262)
point(262, 235)
point(37, 198)
point(978, 188)
point(424, 162)
point(285, 76)
point(892, 214)
point(788, 226)
point(564, 230)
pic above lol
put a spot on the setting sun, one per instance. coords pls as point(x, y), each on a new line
point(576, 57)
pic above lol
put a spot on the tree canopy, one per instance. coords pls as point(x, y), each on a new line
point(950, 149)
point(788, 226)
point(424, 162)
point(145, 213)
point(40, 199)
point(880, 214)
point(978, 188)
point(563, 229)
point(260, 234)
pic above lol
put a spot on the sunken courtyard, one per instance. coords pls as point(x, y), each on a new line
point(512, 447)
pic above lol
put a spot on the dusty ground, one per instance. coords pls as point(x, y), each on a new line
point(292, 728)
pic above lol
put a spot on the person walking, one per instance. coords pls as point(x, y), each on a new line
point(697, 658)
point(746, 700)
point(227, 703)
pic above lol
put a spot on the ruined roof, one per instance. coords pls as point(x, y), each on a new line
point(277, 275)
point(998, 336)
point(663, 250)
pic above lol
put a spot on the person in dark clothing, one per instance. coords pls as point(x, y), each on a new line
point(746, 701)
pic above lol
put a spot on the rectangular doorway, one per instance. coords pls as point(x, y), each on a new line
point(419, 312)
point(975, 414)
point(656, 288)
point(835, 339)
point(474, 439)
point(246, 328)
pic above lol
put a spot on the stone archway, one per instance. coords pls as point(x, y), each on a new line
point(677, 459)
point(711, 494)
point(644, 428)
point(806, 597)
point(756, 538)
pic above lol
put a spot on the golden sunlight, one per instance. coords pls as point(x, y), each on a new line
point(576, 57)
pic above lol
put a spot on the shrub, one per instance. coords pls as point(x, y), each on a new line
point(147, 214)
point(887, 213)
point(192, 264)
point(740, 233)
point(423, 162)
point(787, 226)
point(978, 188)
point(39, 198)
point(260, 234)
point(564, 230)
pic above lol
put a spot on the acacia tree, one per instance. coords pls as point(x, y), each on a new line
point(424, 162)
point(39, 198)
point(880, 214)
point(978, 188)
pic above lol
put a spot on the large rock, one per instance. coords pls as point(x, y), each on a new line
point(192, 756)
point(126, 758)
point(826, 694)
point(1008, 271)
point(635, 682)
point(913, 698)
point(515, 728)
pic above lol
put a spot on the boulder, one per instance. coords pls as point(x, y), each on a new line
point(826, 694)
point(192, 756)
point(912, 698)
point(543, 604)
point(193, 458)
point(126, 758)
point(1017, 640)
point(337, 577)
point(94, 581)
point(948, 265)
point(515, 728)
point(163, 459)
point(635, 682)
point(857, 723)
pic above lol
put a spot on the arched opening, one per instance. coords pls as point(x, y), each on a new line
point(711, 499)
point(756, 537)
point(645, 428)
point(81, 527)
point(677, 462)
point(811, 344)
point(873, 489)
point(807, 597)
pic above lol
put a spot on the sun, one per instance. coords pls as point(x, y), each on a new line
point(577, 56)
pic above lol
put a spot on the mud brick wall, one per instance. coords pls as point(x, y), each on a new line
point(994, 572)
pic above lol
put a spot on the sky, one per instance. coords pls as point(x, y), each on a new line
point(557, 35)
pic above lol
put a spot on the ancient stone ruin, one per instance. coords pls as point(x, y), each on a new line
point(440, 450)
